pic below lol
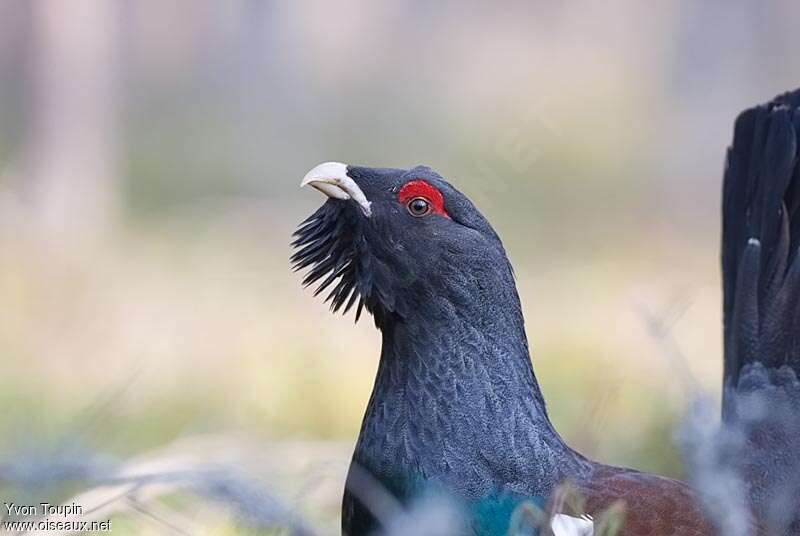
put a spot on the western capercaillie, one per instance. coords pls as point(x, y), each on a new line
point(456, 408)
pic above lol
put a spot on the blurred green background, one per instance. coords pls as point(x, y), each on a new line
point(150, 154)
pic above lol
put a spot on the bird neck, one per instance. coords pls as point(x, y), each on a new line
point(455, 400)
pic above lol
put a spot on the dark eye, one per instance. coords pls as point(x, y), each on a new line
point(419, 206)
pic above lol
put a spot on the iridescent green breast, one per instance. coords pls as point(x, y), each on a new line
point(496, 513)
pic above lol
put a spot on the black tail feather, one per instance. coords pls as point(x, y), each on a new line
point(760, 239)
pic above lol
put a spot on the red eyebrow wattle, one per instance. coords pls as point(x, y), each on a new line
point(420, 188)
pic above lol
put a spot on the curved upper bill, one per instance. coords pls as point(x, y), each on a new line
point(331, 179)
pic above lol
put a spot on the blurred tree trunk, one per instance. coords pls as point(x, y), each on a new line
point(70, 163)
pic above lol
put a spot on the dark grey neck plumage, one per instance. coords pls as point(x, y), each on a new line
point(456, 402)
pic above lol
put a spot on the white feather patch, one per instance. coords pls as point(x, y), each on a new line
point(564, 525)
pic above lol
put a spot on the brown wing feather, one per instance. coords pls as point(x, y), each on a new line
point(654, 505)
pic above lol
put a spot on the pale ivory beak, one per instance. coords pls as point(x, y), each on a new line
point(332, 180)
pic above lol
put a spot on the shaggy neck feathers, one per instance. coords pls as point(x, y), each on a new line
point(456, 402)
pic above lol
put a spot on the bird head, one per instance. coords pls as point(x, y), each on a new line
point(399, 242)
